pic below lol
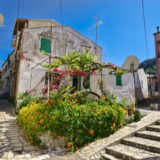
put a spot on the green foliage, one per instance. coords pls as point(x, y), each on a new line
point(118, 72)
point(128, 119)
point(137, 115)
point(60, 94)
point(78, 61)
point(26, 99)
point(149, 66)
point(77, 117)
point(132, 106)
point(123, 102)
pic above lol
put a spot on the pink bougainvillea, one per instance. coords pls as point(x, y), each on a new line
point(61, 73)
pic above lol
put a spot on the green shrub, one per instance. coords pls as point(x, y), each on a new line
point(137, 115)
point(78, 123)
point(27, 98)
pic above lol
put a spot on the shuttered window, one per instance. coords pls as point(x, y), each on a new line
point(46, 78)
point(118, 80)
point(88, 82)
point(45, 45)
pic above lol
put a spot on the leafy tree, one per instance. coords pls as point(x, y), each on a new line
point(83, 62)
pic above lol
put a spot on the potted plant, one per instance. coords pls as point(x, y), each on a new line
point(124, 104)
point(126, 109)
point(131, 109)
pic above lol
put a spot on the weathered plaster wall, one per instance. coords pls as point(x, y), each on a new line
point(42, 23)
point(141, 84)
point(64, 41)
point(125, 91)
point(4, 79)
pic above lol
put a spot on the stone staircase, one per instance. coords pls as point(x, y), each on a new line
point(144, 145)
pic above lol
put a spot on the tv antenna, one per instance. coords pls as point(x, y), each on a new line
point(98, 22)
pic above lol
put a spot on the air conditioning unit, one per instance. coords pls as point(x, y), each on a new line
point(13, 44)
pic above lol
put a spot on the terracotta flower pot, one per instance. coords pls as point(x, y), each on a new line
point(130, 111)
point(126, 109)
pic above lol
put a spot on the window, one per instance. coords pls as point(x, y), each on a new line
point(8, 82)
point(46, 78)
point(88, 82)
point(118, 80)
point(156, 87)
point(54, 78)
point(77, 82)
point(45, 45)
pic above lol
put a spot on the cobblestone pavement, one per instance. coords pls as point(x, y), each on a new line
point(13, 144)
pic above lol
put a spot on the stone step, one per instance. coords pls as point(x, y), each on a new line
point(149, 135)
point(155, 128)
point(158, 122)
point(146, 144)
point(131, 153)
point(109, 157)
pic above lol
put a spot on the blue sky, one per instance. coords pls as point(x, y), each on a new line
point(121, 35)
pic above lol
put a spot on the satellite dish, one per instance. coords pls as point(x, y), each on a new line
point(1, 19)
point(131, 63)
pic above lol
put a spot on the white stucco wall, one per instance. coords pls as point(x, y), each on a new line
point(127, 90)
point(141, 84)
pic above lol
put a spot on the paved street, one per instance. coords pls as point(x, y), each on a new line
point(13, 144)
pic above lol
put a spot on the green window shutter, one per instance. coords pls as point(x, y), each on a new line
point(46, 78)
point(88, 82)
point(118, 80)
point(156, 87)
point(45, 45)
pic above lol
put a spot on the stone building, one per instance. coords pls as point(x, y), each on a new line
point(30, 39)
point(124, 86)
point(8, 73)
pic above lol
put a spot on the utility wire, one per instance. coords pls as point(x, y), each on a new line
point(22, 7)
point(61, 12)
point(145, 32)
point(18, 7)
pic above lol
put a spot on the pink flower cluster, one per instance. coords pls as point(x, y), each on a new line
point(60, 71)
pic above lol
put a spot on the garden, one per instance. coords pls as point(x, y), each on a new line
point(72, 118)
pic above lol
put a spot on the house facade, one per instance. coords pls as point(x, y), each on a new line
point(30, 39)
point(7, 75)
